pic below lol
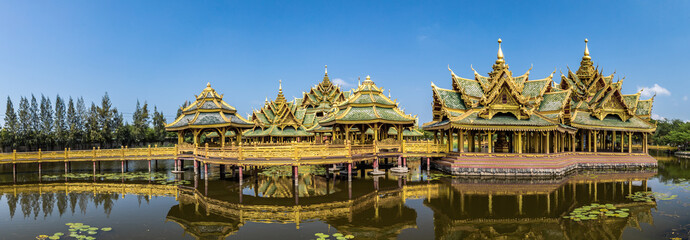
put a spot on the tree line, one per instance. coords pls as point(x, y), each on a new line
point(672, 133)
point(72, 124)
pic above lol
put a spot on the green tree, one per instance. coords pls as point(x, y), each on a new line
point(82, 119)
point(33, 138)
point(24, 116)
point(158, 125)
point(11, 126)
point(46, 128)
point(92, 127)
point(60, 124)
point(140, 122)
point(72, 124)
point(105, 120)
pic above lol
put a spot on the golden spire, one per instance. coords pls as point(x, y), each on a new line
point(280, 97)
point(586, 51)
point(500, 52)
point(208, 84)
point(326, 70)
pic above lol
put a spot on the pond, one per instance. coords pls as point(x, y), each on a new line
point(323, 205)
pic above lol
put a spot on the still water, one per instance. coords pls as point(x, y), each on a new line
point(418, 205)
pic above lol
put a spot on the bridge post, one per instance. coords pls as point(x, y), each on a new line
point(175, 165)
point(376, 164)
point(221, 170)
point(404, 161)
point(14, 171)
point(39, 170)
point(196, 167)
point(94, 167)
point(239, 174)
point(66, 167)
point(295, 175)
point(349, 172)
point(399, 160)
point(122, 166)
point(205, 170)
point(149, 165)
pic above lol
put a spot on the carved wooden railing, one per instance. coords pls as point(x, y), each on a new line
point(285, 151)
point(93, 154)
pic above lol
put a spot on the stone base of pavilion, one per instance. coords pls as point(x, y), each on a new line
point(377, 172)
point(554, 164)
point(399, 169)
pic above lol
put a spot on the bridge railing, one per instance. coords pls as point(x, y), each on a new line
point(95, 153)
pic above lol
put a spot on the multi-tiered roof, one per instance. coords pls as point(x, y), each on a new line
point(280, 118)
point(208, 111)
point(598, 104)
point(323, 96)
point(500, 101)
point(367, 104)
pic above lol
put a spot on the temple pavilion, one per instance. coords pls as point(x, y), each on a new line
point(323, 96)
point(514, 114)
point(605, 118)
point(281, 121)
point(209, 113)
point(367, 109)
point(509, 113)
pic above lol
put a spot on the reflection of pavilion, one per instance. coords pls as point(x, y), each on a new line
point(367, 214)
point(469, 208)
point(476, 209)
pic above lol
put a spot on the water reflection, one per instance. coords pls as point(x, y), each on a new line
point(369, 208)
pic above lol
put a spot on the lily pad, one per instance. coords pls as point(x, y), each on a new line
point(106, 229)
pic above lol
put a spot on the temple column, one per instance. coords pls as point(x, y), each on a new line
point(589, 141)
point(547, 142)
point(595, 133)
point(645, 144)
point(450, 140)
point(572, 143)
point(622, 141)
point(613, 141)
point(629, 142)
point(489, 140)
point(461, 141)
point(519, 142)
point(180, 138)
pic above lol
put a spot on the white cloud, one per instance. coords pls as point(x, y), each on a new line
point(655, 90)
point(657, 117)
point(341, 82)
point(685, 98)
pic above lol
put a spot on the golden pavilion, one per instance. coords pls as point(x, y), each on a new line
point(281, 121)
point(605, 118)
point(322, 97)
point(503, 113)
point(367, 108)
point(209, 113)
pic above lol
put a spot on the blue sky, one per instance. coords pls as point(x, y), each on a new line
point(164, 52)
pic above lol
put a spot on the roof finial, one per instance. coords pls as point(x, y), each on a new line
point(500, 52)
point(280, 85)
point(208, 84)
point(326, 69)
point(359, 81)
point(368, 78)
point(389, 93)
point(586, 50)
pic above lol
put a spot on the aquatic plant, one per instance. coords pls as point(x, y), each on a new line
point(596, 211)
point(160, 178)
point(648, 196)
point(337, 236)
point(78, 231)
